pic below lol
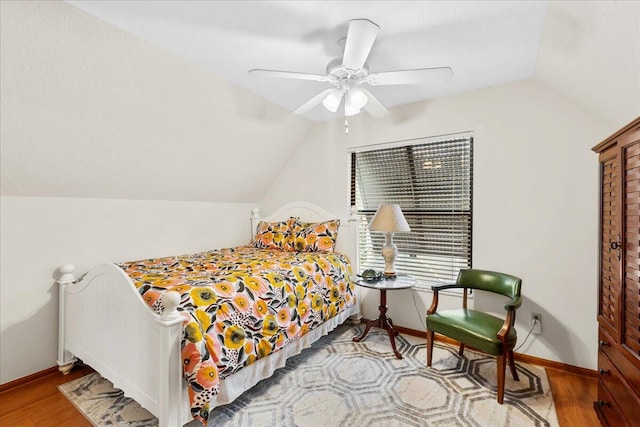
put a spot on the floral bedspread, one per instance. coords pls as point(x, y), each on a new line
point(241, 304)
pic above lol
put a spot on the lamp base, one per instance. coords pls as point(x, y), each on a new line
point(389, 252)
point(390, 275)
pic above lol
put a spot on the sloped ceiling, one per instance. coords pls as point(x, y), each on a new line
point(586, 50)
point(90, 111)
point(166, 109)
point(487, 43)
point(590, 52)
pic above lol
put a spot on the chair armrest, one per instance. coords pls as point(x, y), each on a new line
point(513, 304)
point(506, 327)
point(436, 288)
point(511, 307)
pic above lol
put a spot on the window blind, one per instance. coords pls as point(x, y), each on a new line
point(432, 183)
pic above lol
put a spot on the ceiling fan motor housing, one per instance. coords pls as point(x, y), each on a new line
point(339, 75)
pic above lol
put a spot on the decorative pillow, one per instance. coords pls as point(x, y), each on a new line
point(272, 235)
point(313, 237)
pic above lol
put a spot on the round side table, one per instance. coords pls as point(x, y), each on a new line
point(384, 322)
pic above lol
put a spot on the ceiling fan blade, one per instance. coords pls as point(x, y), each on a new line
point(313, 102)
point(360, 37)
point(410, 77)
point(289, 75)
point(374, 106)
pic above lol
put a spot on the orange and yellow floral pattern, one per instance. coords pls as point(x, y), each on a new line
point(314, 237)
point(241, 304)
point(273, 235)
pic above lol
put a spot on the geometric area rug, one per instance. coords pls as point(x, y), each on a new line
point(338, 382)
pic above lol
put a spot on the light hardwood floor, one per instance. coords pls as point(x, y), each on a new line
point(39, 403)
point(574, 395)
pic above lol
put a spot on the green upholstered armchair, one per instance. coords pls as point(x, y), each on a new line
point(476, 329)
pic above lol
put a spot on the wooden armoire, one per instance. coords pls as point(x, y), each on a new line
point(618, 402)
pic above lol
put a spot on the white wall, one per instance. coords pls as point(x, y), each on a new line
point(101, 124)
point(535, 201)
point(90, 111)
point(40, 234)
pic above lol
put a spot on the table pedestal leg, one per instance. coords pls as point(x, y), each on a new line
point(382, 322)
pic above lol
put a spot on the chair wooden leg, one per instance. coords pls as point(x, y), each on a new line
point(512, 366)
point(501, 368)
point(429, 346)
point(461, 349)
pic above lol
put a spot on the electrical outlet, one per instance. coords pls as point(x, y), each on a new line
point(536, 323)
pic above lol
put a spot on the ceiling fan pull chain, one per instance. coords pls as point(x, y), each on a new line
point(346, 126)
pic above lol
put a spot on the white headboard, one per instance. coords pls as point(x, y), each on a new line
point(347, 242)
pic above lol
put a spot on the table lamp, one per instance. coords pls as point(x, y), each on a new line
point(389, 219)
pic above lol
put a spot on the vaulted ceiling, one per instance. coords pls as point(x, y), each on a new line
point(153, 100)
point(568, 45)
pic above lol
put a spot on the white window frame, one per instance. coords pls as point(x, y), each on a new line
point(370, 259)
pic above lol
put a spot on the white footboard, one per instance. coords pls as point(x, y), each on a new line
point(118, 335)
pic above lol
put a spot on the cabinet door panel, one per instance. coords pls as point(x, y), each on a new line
point(631, 244)
point(609, 306)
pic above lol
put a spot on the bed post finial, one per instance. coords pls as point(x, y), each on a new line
point(170, 302)
point(67, 274)
point(65, 359)
point(255, 219)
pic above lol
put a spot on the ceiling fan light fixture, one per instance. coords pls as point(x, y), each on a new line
point(349, 108)
point(332, 101)
point(357, 97)
point(347, 73)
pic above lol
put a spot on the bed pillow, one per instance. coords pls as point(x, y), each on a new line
point(313, 237)
point(273, 235)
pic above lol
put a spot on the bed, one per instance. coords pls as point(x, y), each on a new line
point(184, 334)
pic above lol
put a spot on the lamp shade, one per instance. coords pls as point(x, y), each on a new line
point(389, 219)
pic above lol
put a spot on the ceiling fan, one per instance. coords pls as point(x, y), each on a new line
point(349, 73)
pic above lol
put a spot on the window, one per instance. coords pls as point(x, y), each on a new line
point(431, 180)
